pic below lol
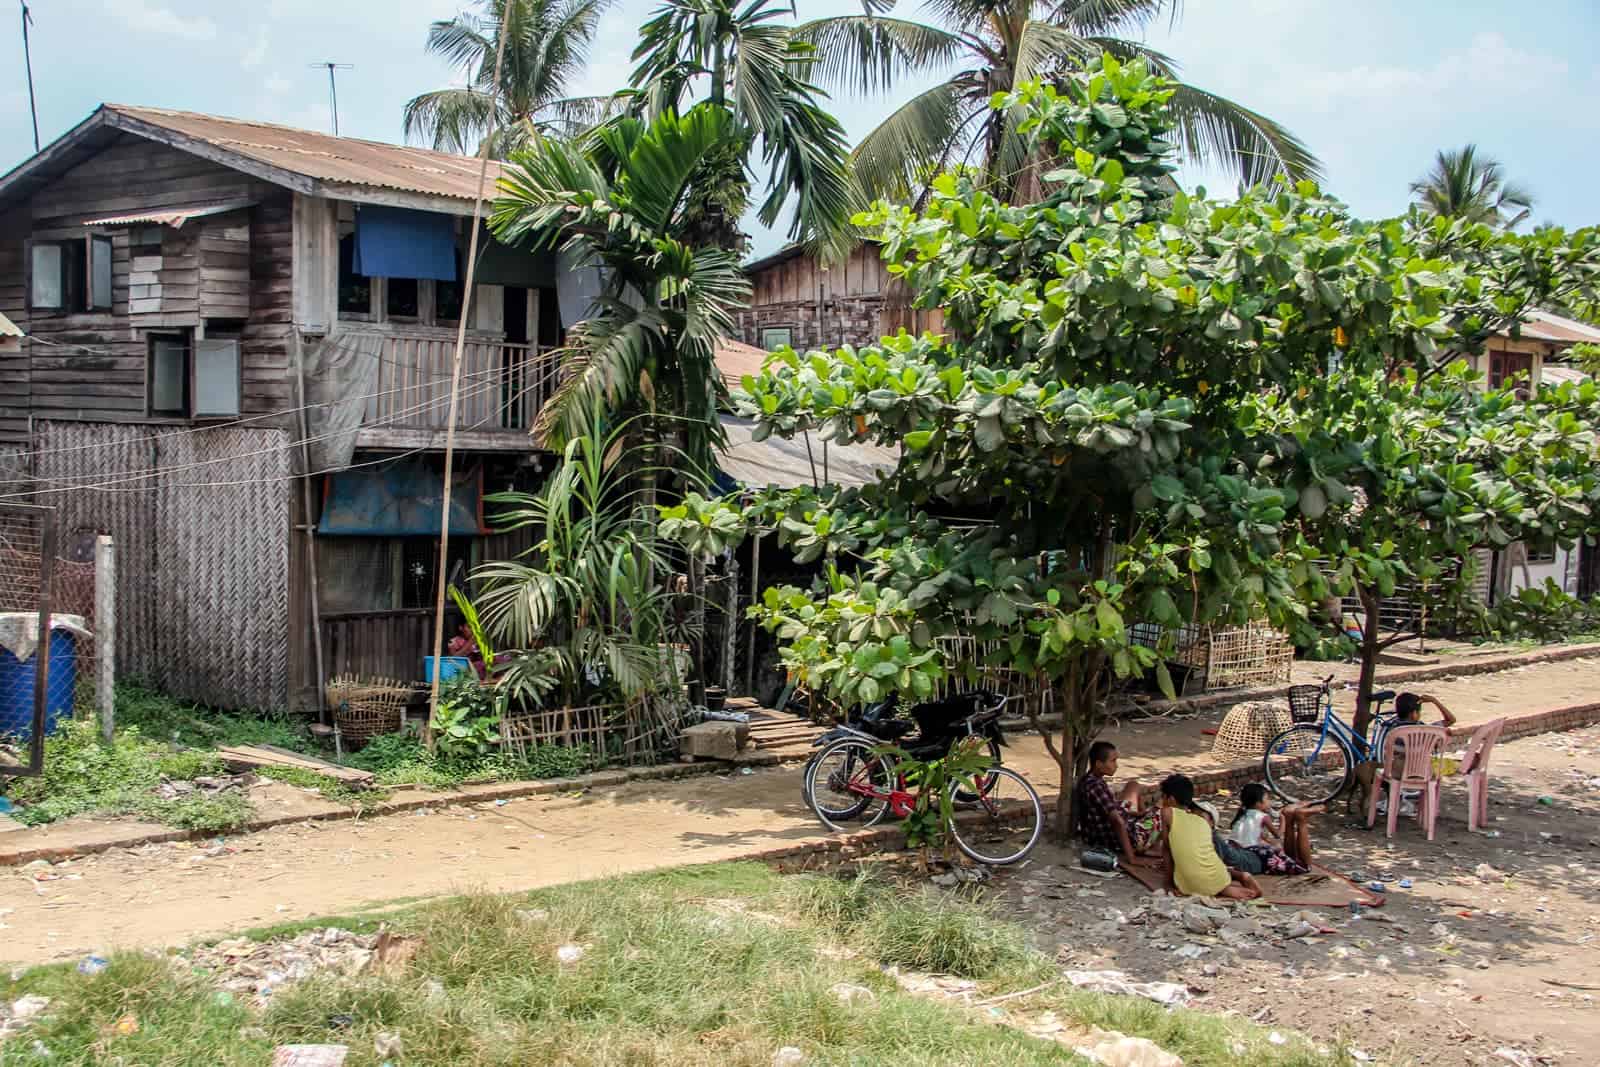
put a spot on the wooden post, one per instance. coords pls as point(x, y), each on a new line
point(730, 633)
point(755, 598)
point(105, 633)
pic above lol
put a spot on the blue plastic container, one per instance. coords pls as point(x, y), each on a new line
point(453, 665)
point(17, 679)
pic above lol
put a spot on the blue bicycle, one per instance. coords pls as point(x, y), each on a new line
point(1314, 760)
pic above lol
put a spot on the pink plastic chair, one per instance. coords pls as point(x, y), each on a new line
point(1475, 769)
point(1416, 771)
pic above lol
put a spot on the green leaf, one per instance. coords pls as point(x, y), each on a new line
point(1164, 680)
point(917, 440)
point(1166, 488)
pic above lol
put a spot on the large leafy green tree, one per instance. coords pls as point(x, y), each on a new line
point(1118, 400)
point(1464, 183)
point(984, 47)
point(748, 62)
point(620, 199)
point(547, 45)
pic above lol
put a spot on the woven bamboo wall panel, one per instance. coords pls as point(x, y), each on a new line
point(201, 522)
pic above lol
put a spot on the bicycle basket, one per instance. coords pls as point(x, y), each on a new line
point(1305, 703)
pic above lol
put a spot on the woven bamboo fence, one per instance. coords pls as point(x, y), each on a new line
point(201, 523)
point(637, 730)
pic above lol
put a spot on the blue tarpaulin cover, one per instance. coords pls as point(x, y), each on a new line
point(401, 500)
point(394, 242)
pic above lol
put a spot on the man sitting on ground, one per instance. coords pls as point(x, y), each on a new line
point(1104, 819)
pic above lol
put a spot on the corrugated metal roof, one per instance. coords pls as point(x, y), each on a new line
point(323, 157)
point(174, 217)
point(1544, 326)
point(1559, 374)
point(8, 328)
point(735, 359)
point(788, 464)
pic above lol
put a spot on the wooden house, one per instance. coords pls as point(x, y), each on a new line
point(799, 301)
point(236, 359)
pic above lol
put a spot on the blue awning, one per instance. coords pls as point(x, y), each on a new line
point(402, 500)
point(394, 242)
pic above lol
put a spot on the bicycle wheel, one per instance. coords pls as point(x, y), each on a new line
point(967, 796)
point(1304, 765)
point(846, 784)
point(1002, 825)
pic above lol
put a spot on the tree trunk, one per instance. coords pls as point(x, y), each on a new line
point(1066, 763)
point(697, 628)
point(1369, 659)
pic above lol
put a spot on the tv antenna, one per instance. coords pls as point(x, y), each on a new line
point(333, 88)
point(27, 59)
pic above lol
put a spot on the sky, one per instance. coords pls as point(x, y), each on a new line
point(1374, 87)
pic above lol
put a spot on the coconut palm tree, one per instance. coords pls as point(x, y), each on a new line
point(1464, 184)
point(745, 60)
point(547, 46)
point(992, 46)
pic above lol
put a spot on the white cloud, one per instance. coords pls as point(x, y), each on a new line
point(150, 18)
point(256, 54)
point(277, 84)
point(1489, 66)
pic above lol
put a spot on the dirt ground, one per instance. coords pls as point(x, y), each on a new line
point(1468, 962)
point(1538, 925)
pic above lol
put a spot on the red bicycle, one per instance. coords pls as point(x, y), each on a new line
point(994, 815)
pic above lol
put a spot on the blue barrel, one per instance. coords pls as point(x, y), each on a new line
point(17, 679)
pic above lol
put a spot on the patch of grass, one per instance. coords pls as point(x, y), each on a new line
point(402, 759)
point(157, 715)
point(721, 964)
point(331, 788)
point(82, 775)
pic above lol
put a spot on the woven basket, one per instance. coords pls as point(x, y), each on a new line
point(364, 708)
point(1247, 728)
point(1305, 703)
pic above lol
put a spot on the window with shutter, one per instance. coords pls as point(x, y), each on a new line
point(216, 378)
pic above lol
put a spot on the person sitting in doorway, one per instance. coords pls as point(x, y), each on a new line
point(1193, 865)
point(1107, 820)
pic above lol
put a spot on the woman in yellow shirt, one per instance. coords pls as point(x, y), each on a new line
point(1192, 859)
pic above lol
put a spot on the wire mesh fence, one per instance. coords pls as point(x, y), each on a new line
point(37, 669)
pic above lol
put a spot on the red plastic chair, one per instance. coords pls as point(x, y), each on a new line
point(1475, 769)
point(1416, 771)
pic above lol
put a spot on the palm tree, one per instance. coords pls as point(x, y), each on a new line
point(547, 46)
point(1465, 185)
point(995, 45)
point(623, 198)
point(745, 61)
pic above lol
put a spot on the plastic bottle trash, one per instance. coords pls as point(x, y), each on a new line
point(92, 965)
point(1548, 802)
point(1377, 887)
point(1405, 883)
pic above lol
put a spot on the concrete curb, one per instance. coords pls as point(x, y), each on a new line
point(1550, 721)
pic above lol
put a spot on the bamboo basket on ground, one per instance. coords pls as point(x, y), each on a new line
point(364, 708)
point(1247, 728)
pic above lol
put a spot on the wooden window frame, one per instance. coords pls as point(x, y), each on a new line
point(93, 243)
point(151, 339)
point(774, 329)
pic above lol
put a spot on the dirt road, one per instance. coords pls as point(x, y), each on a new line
point(169, 894)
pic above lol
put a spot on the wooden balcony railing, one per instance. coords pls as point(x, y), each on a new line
point(503, 386)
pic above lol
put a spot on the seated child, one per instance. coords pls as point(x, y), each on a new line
point(1253, 831)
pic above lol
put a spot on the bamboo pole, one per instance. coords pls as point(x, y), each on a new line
point(105, 634)
point(455, 400)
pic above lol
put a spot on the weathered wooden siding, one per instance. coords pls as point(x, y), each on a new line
point(855, 302)
point(233, 269)
point(14, 304)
